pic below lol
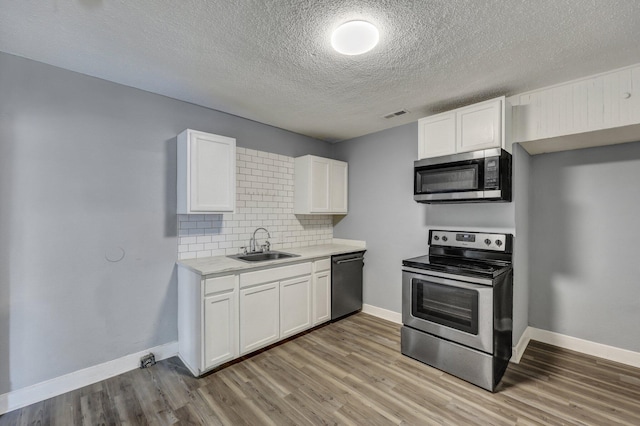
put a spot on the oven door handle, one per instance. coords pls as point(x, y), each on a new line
point(450, 279)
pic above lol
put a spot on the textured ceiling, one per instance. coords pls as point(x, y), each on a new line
point(272, 62)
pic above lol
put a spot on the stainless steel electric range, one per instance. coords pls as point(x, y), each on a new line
point(457, 305)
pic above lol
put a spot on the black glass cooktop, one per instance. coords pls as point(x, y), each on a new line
point(457, 265)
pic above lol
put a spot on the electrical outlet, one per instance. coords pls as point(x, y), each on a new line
point(147, 360)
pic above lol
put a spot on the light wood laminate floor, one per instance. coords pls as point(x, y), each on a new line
point(352, 372)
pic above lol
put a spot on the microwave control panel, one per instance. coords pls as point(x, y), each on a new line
point(492, 173)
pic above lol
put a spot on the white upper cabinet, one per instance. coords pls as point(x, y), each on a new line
point(206, 173)
point(437, 135)
point(597, 110)
point(338, 180)
point(320, 185)
point(471, 128)
point(480, 126)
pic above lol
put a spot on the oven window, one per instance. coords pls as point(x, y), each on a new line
point(446, 305)
point(448, 179)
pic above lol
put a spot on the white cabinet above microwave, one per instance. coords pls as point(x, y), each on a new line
point(475, 127)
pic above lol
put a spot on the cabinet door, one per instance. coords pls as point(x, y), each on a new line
point(621, 98)
point(212, 173)
point(479, 126)
point(527, 117)
point(220, 329)
point(338, 187)
point(321, 297)
point(437, 135)
point(259, 316)
point(295, 306)
point(320, 183)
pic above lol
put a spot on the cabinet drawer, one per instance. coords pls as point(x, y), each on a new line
point(322, 265)
point(274, 274)
point(218, 284)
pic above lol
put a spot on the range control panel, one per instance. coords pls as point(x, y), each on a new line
point(475, 240)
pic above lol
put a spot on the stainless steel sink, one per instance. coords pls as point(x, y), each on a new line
point(262, 257)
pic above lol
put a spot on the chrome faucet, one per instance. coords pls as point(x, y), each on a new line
point(252, 241)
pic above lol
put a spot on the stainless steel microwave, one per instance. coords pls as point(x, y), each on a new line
point(477, 176)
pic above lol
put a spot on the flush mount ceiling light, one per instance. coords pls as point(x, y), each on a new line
point(354, 37)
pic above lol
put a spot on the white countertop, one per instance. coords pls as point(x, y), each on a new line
point(224, 265)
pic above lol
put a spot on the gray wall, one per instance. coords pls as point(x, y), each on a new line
point(88, 167)
point(522, 194)
point(584, 244)
point(382, 210)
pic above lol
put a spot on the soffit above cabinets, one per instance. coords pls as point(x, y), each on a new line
point(272, 62)
point(599, 110)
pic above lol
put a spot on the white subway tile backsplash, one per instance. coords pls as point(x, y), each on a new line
point(264, 199)
point(187, 240)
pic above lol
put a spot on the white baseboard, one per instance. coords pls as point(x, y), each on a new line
point(611, 353)
point(600, 350)
point(518, 350)
point(382, 313)
point(59, 385)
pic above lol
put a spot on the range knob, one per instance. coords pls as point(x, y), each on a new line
point(498, 243)
point(435, 237)
point(444, 238)
point(487, 242)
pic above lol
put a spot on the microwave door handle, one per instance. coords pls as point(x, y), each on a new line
point(450, 196)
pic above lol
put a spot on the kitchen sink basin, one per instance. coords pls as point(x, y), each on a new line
point(262, 257)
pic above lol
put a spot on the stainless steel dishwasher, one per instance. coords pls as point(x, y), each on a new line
point(346, 283)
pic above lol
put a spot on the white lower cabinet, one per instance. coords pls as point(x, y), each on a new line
point(321, 291)
point(220, 328)
point(207, 320)
point(259, 317)
point(222, 318)
point(295, 306)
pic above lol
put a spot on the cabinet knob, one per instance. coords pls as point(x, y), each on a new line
point(626, 95)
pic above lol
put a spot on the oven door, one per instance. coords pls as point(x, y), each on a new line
point(458, 311)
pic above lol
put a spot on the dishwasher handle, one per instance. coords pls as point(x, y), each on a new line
point(339, 262)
